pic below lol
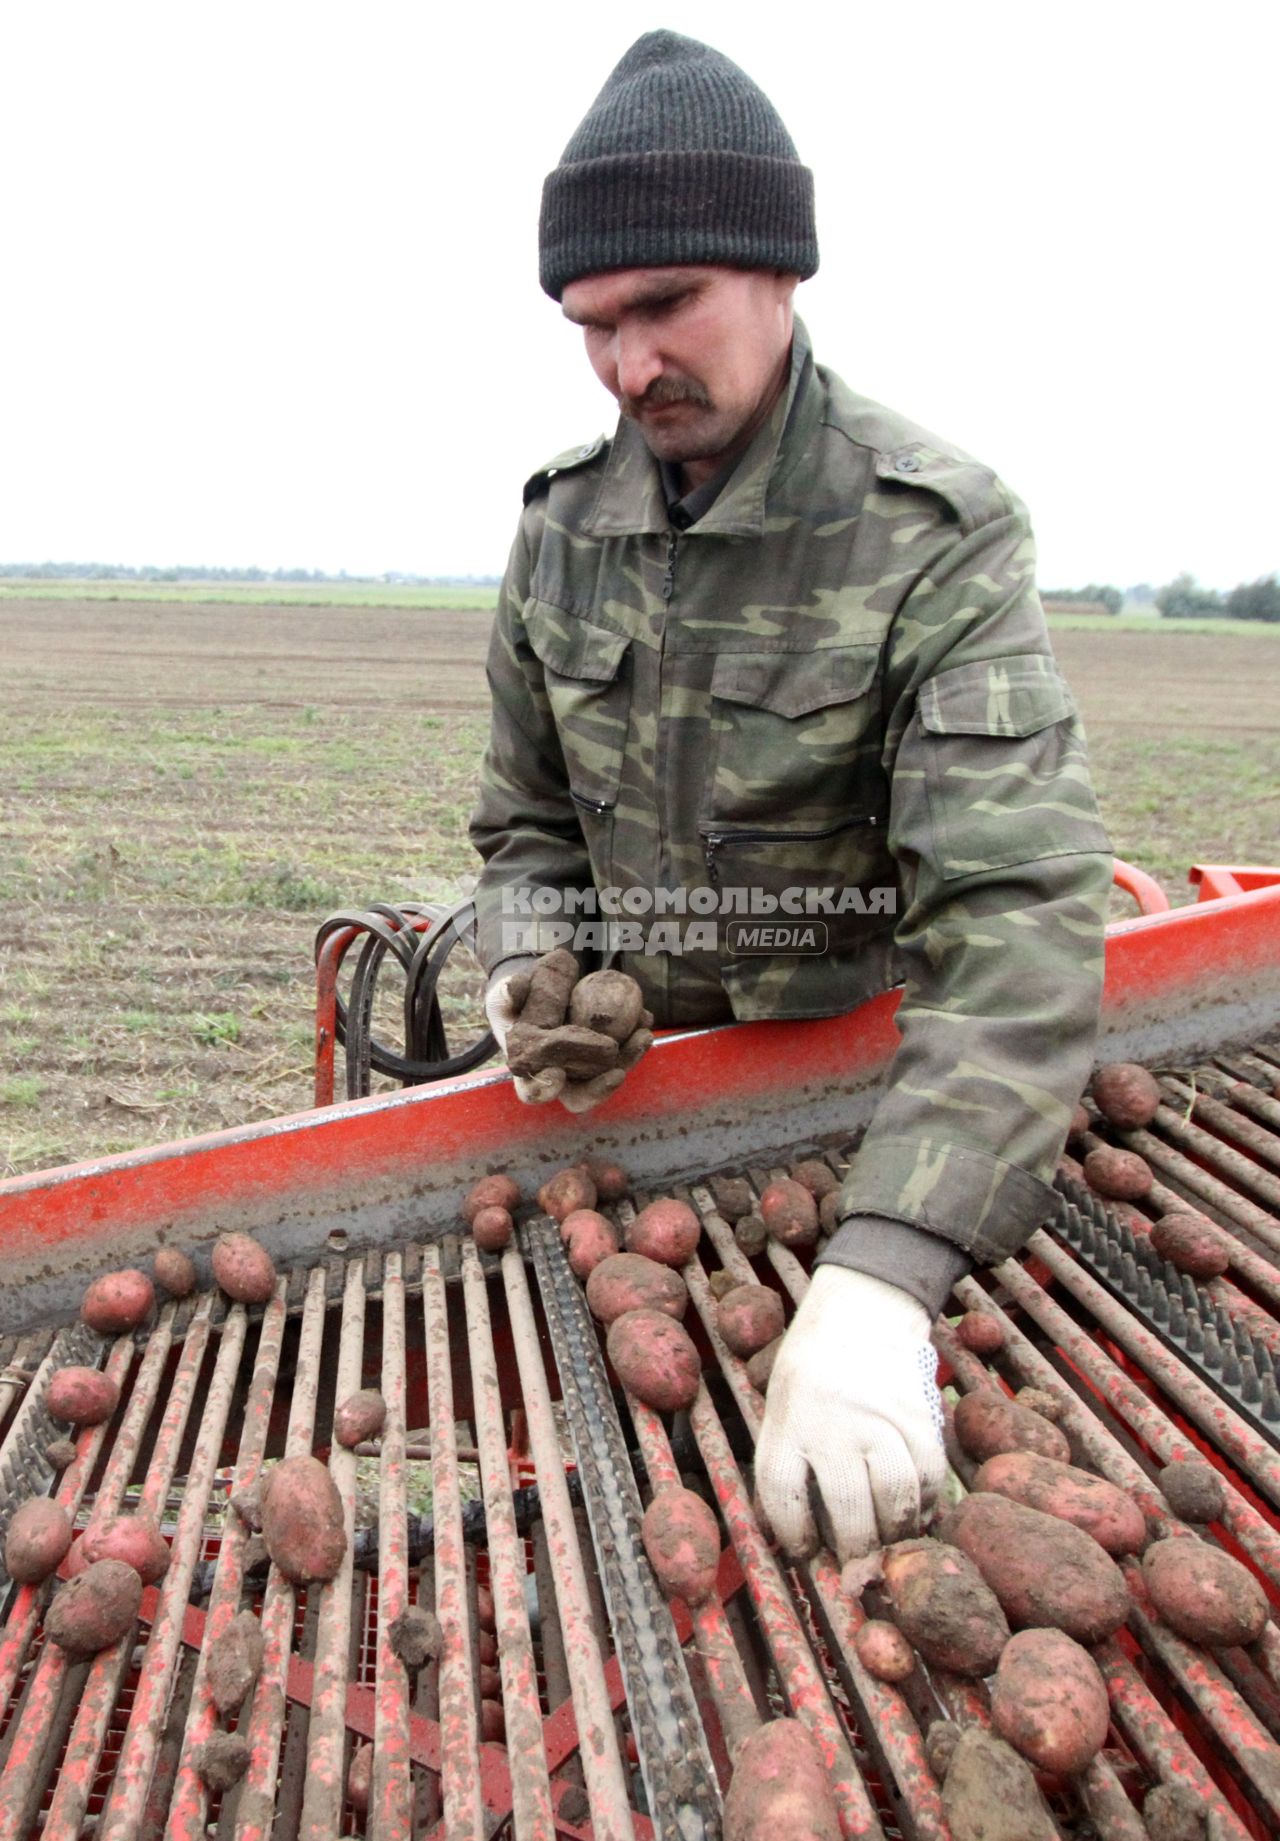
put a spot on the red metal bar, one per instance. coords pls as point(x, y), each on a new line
point(1146, 891)
point(1234, 1167)
point(1226, 1121)
point(1210, 1188)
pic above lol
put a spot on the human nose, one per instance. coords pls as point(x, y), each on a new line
point(638, 361)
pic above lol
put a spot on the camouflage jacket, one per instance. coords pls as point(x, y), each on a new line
point(834, 693)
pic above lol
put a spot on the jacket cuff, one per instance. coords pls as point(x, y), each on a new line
point(911, 1258)
point(980, 1203)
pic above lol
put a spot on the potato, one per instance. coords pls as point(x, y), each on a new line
point(490, 1681)
point(1203, 1593)
point(221, 1760)
point(565, 1191)
point(940, 1746)
point(733, 1197)
point(1125, 1094)
point(1050, 1701)
point(750, 1235)
point(1112, 1518)
point(667, 1231)
point(82, 1396)
point(829, 1213)
point(492, 1229)
point(487, 1647)
point(247, 1503)
point(815, 1176)
point(1193, 1490)
point(235, 1660)
point(302, 1521)
point(608, 1002)
point(490, 1192)
point(610, 1179)
point(135, 1539)
point(682, 1539)
point(118, 1301)
point(883, 1650)
point(654, 1357)
point(1039, 1400)
point(942, 1605)
point(1192, 1244)
point(175, 1272)
point(988, 1423)
point(493, 1722)
point(979, 1331)
point(94, 1610)
point(1173, 1811)
point(1042, 1570)
point(1080, 1124)
point(721, 1283)
point(37, 1539)
point(361, 1416)
point(243, 1269)
point(760, 1367)
point(790, 1213)
point(60, 1452)
point(1120, 1174)
point(779, 1787)
point(360, 1777)
point(486, 1614)
point(592, 1242)
point(990, 1793)
point(750, 1317)
point(415, 1636)
point(629, 1281)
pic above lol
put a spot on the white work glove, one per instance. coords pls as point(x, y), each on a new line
point(502, 1013)
point(853, 1419)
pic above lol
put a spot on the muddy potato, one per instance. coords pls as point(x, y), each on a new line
point(760, 1367)
point(790, 1213)
point(883, 1650)
point(94, 1609)
point(1039, 1400)
point(38, 1537)
point(1080, 1124)
point(1172, 1812)
point(486, 1612)
point(82, 1396)
point(654, 1358)
point(1203, 1593)
point(682, 1539)
point(135, 1539)
point(243, 1269)
point(302, 1520)
point(235, 1660)
point(1126, 1094)
point(490, 1192)
point(666, 1230)
point(175, 1272)
point(490, 1681)
point(721, 1283)
point(749, 1317)
point(1193, 1490)
point(118, 1301)
point(1191, 1244)
point(829, 1213)
point(942, 1604)
point(988, 1422)
point(492, 1229)
point(1049, 1701)
point(1042, 1570)
point(815, 1176)
point(750, 1235)
point(629, 1281)
point(608, 1002)
point(60, 1452)
point(610, 1179)
point(566, 1191)
point(360, 1778)
point(221, 1760)
point(779, 1787)
point(415, 1636)
point(592, 1241)
point(493, 1722)
point(361, 1416)
point(990, 1793)
point(733, 1197)
point(940, 1746)
point(980, 1332)
point(1121, 1175)
point(1112, 1518)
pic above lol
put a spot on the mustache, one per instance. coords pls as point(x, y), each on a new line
point(664, 390)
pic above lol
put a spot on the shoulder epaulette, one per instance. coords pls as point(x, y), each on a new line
point(568, 462)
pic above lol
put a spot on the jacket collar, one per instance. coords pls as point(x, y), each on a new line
point(631, 502)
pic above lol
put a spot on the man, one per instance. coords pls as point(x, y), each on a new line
point(773, 644)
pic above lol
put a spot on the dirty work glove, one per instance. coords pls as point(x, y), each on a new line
point(564, 1036)
point(853, 1419)
point(503, 1001)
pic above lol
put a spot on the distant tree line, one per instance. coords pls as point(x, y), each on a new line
point(122, 572)
point(1100, 596)
point(1184, 598)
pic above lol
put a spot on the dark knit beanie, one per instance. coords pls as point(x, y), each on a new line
point(680, 158)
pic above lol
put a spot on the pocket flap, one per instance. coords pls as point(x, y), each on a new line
point(573, 647)
point(999, 696)
point(795, 683)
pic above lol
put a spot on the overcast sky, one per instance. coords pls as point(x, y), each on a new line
point(270, 290)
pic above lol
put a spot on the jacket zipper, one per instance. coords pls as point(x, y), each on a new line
point(669, 579)
point(598, 806)
point(712, 840)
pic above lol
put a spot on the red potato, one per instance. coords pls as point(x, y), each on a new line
point(980, 1332)
point(629, 1281)
point(135, 1539)
point(750, 1235)
point(682, 1539)
point(118, 1301)
point(175, 1272)
point(302, 1520)
point(610, 1179)
point(567, 1190)
point(490, 1192)
point(1203, 1593)
point(829, 1213)
point(790, 1213)
point(760, 1367)
point(942, 1605)
point(779, 1787)
point(94, 1609)
point(1126, 1094)
point(592, 1241)
point(988, 1422)
point(1049, 1701)
point(493, 1722)
point(486, 1614)
point(667, 1231)
point(883, 1650)
point(653, 1356)
point(1193, 1490)
point(490, 1681)
point(222, 1760)
point(361, 1416)
point(38, 1537)
point(1112, 1518)
point(733, 1197)
point(243, 1269)
point(750, 1317)
point(1119, 1174)
point(990, 1793)
point(75, 1560)
point(1042, 1570)
point(815, 1176)
point(82, 1396)
point(235, 1660)
point(360, 1778)
point(492, 1229)
point(1192, 1244)
point(487, 1647)
point(1080, 1124)
point(60, 1452)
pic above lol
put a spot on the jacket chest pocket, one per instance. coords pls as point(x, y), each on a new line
point(588, 685)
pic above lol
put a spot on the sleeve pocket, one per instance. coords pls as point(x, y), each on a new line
point(1002, 696)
